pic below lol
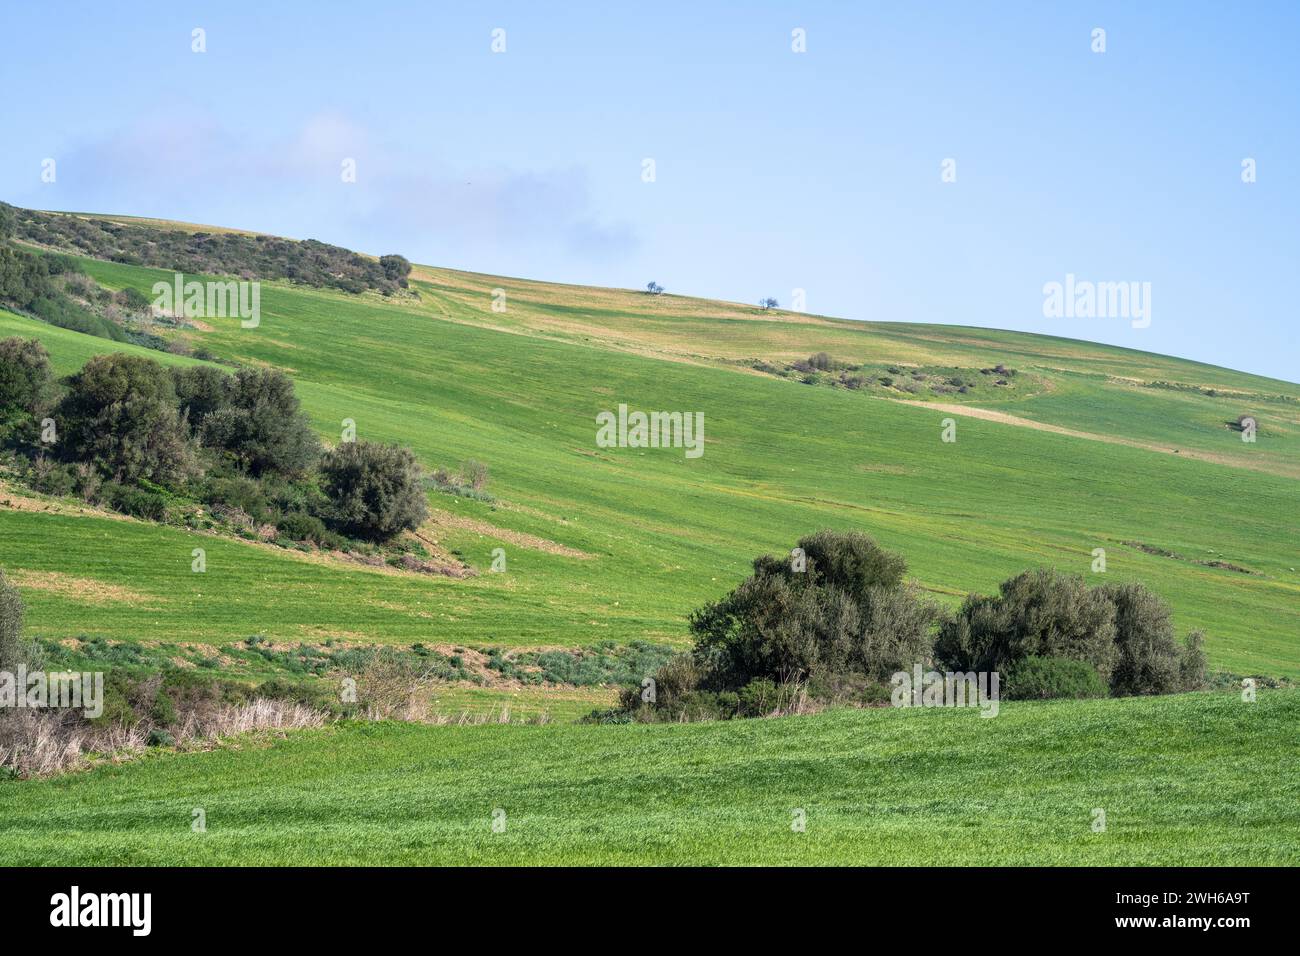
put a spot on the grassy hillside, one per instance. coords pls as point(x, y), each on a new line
point(622, 543)
point(1083, 447)
point(1196, 779)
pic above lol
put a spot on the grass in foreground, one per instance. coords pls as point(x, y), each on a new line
point(1192, 779)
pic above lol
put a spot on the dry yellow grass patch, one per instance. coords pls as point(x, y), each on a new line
point(442, 521)
point(89, 590)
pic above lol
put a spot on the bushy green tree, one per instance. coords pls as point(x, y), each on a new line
point(200, 391)
point(396, 268)
point(25, 376)
point(843, 609)
point(1148, 656)
point(120, 415)
point(261, 425)
point(375, 491)
point(1039, 613)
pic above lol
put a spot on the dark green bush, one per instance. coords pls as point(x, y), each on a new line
point(396, 269)
point(1191, 665)
point(51, 478)
point(25, 376)
point(120, 414)
point(236, 492)
point(1123, 631)
point(848, 611)
point(133, 299)
point(200, 391)
point(303, 527)
point(260, 425)
point(1049, 678)
point(1037, 613)
point(163, 710)
point(1148, 659)
point(135, 501)
point(375, 491)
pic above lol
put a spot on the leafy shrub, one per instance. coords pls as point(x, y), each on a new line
point(847, 611)
point(1191, 665)
point(133, 299)
point(120, 414)
point(304, 527)
point(841, 619)
point(200, 391)
point(1050, 678)
point(163, 711)
point(25, 376)
point(1037, 613)
point(1148, 660)
point(49, 477)
point(261, 425)
point(135, 501)
point(396, 269)
point(59, 310)
point(1123, 631)
point(237, 492)
point(375, 491)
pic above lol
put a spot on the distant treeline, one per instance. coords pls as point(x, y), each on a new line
point(249, 257)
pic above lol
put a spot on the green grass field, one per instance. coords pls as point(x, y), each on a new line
point(1195, 779)
point(620, 544)
point(663, 534)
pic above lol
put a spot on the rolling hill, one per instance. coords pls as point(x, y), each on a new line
point(1096, 447)
point(1083, 447)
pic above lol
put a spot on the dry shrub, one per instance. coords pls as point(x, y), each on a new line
point(391, 687)
point(260, 714)
point(37, 743)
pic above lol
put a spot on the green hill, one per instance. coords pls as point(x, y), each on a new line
point(622, 543)
point(1063, 447)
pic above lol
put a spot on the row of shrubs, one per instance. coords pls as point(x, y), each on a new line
point(37, 284)
point(308, 262)
point(822, 369)
point(129, 433)
point(832, 624)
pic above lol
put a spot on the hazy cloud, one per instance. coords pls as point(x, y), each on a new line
point(199, 170)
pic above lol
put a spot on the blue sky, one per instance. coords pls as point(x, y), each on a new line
point(774, 170)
